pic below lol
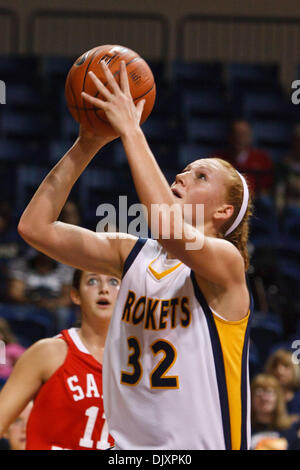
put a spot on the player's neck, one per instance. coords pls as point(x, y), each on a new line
point(93, 337)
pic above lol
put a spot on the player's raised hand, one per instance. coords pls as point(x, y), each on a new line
point(117, 104)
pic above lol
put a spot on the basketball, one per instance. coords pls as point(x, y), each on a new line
point(141, 82)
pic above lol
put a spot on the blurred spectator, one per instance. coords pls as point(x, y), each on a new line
point(281, 365)
point(70, 213)
point(13, 350)
point(11, 245)
point(255, 163)
point(272, 427)
point(16, 433)
point(288, 174)
point(39, 280)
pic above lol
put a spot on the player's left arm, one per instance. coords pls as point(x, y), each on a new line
point(216, 260)
point(28, 375)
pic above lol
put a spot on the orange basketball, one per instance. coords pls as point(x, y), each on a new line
point(141, 82)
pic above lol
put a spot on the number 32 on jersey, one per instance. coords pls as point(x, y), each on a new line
point(158, 377)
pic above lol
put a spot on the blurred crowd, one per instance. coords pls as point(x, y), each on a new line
point(30, 278)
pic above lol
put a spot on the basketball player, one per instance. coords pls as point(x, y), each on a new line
point(63, 375)
point(176, 372)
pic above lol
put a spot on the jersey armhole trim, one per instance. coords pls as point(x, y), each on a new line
point(133, 254)
point(220, 367)
point(218, 360)
point(221, 319)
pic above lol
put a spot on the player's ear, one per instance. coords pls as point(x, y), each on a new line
point(75, 297)
point(224, 212)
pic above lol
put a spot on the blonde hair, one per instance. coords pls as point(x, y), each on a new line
point(284, 357)
point(234, 196)
point(280, 418)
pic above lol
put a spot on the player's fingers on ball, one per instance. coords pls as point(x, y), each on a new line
point(124, 83)
point(110, 78)
point(95, 101)
point(140, 107)
point(100, 86)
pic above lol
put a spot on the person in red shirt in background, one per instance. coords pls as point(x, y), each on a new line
point(63, 375)
point(255, 163)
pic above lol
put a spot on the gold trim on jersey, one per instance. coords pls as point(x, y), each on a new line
point(159, 276)
point(232, 338)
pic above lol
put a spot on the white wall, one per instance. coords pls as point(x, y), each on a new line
point(265, 44)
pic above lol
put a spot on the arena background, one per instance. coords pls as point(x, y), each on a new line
point(214, 62)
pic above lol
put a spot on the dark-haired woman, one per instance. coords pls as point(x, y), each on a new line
point(63, 375)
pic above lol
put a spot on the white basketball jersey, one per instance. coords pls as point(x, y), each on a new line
point(175, 373)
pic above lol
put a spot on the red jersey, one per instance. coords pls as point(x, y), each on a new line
point(68, 409)
point(256, 164)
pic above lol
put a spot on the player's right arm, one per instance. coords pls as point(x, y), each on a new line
point(66, 243)
point(30, 372)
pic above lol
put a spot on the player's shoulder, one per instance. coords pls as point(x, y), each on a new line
point(55, 342)
point(44, 356)
point(127, 242)
point(49, 350)
point(49, 355)
point(226, 248)
point(123, 242)
point(136, 244)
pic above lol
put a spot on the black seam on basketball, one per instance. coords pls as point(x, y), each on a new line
point(83, 84)
point(74, 96)
point(89, 109)
point(144, 94)
point(82, 60)
point(100, 118)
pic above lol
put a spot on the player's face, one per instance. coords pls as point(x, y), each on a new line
point(201, 182)
point(98, 293)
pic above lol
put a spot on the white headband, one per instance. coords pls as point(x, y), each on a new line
point(243, 206)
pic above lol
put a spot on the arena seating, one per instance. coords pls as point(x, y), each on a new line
point(266, 331)
point(208, 75)
point(204, 104)
point(28, 322)
point(264, 223)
